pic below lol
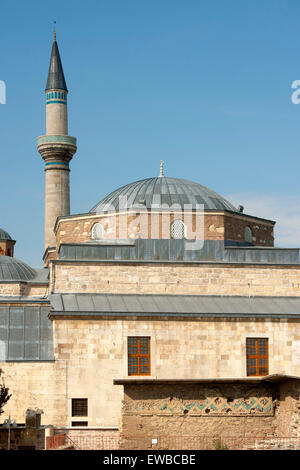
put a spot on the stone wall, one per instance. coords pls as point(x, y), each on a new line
point(23, 289)
point(95, 353)
point(175, 278)
point(91, 352)
point(36, 385)
point(194, 415)
point(197, 416)
point(288, 422)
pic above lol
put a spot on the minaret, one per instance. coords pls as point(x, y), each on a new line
point(56, 147)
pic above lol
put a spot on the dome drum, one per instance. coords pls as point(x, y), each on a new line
point(6, 243)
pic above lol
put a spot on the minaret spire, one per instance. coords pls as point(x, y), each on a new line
point(56, 79)
point(56, 147)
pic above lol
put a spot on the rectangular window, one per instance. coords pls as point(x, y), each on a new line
point(139, 361)
point(79, 423)
point(257, 356)
point(79, 406)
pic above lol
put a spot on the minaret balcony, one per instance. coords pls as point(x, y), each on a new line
point(57, 146)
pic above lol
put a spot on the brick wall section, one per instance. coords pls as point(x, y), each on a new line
point(234, 229)
point(7, 247)
point(139, 427)
point(91, 439)
point(217, 226)
point(159, 278)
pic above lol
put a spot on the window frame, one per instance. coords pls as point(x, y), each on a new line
point(257, 356)
point(139, 356)
point(74, 412)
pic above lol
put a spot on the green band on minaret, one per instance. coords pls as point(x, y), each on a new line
point(57, 163)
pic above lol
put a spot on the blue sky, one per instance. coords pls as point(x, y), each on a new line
point(203, 85)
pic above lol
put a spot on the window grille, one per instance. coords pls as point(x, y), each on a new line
point(139, 361)
point(257, 356)
point(178, 229)
point(97, 231)
point(248, 235)
point(79, 406)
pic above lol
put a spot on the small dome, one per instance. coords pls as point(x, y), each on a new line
point(162, 193)
point(4, 235)
point(12, 269)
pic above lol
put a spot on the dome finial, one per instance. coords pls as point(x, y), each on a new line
point(161, 173)
point(54, 32)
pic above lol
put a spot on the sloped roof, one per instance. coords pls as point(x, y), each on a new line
point(174, 305)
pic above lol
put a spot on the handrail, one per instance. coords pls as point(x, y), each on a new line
point(74, 443)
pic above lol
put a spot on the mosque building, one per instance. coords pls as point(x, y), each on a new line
point(162, 312)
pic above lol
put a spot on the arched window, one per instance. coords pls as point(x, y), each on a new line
point(178, 229)
point(248, 235)
point(97, 231)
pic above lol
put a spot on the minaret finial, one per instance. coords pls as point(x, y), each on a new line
point(54, 32)
point(161, 173)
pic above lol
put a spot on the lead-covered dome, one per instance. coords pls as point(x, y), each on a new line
point(4, 235)
point(162, 193)
point(12, 269)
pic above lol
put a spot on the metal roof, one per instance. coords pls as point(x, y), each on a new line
point(174, 305)
point(4, 235)
point(172, 250)
point(14, 270)
point(56, 78)
point(162, 193)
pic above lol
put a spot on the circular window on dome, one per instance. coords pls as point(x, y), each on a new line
point(178, 229)
point(97, 231)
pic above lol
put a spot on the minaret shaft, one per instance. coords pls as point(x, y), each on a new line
point(56, 148)
point(57, 200)
point(56, 119)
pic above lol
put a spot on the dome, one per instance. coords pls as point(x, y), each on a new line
point(162, 193)
point(12, 269)
point(4, 235)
